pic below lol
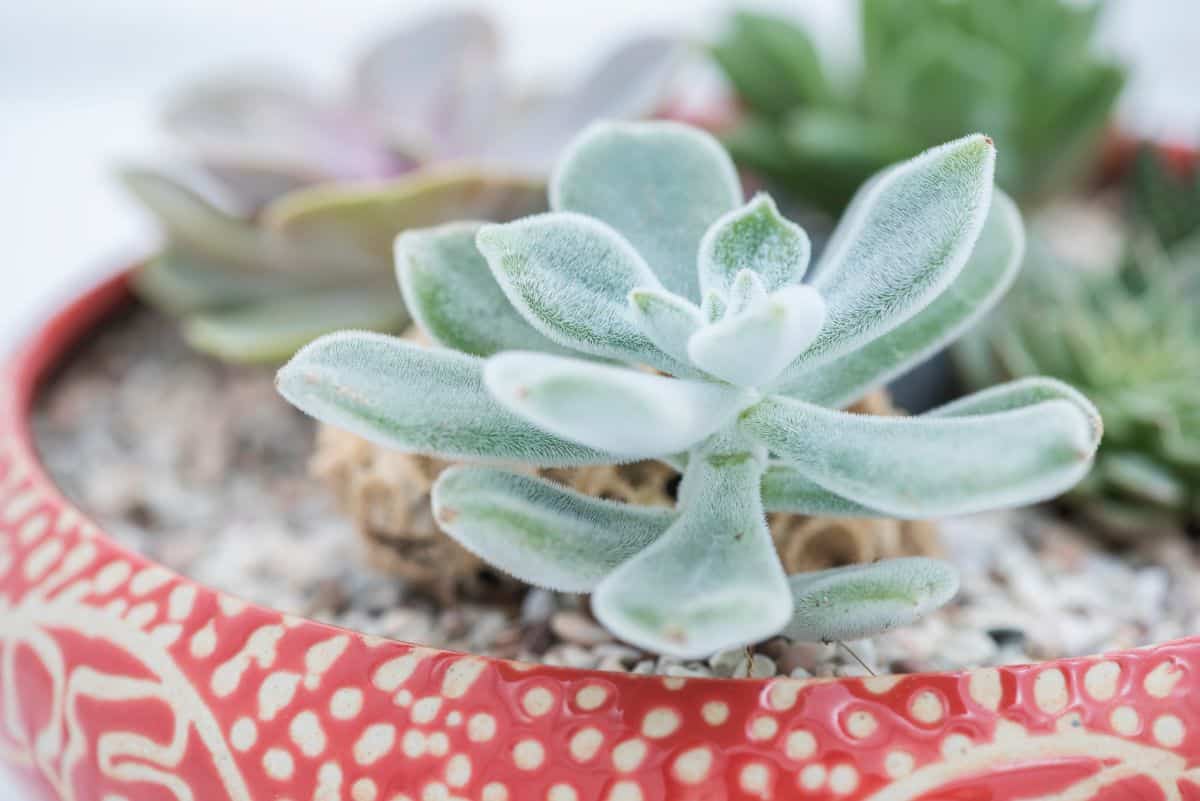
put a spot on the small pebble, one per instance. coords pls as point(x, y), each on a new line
point(758, 667)
point(725, 663)
point(574, 627)
point(538, 606)
point(804, 656)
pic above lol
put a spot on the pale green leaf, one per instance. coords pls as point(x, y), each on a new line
point(195, 224)
point(179, 282)
point(660, 184)
point(540, 532)
point(984, 279)
point(902, 243)
point(360, 222)
point(667, 319)
point(746, 292)
point(453, 296)
point(615, 409)
point(712, 580)
point(403, 396)
point(713, 307)
point(786, 489)
point(1014, 444)
point(751, 348)
point(754, 237)
point(270, 331)
point(857, 601)
point(570, 276)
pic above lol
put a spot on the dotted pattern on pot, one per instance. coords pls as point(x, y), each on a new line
point(120, 681)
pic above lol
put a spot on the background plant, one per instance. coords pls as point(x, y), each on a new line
point(281, 226)
point(651, 259)
point(1128, 334)
point(932, 70)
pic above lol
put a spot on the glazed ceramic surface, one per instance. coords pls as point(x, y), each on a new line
point(121, 681)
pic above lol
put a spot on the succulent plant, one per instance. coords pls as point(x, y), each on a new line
point(932, 70)
point(654, 314)
point(1128, 334)
point(1163, 197)
point(282, 227)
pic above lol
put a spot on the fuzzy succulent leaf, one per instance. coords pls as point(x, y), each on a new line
point(661, 185)
point(666, 319)
point(453, 296)
point(540, 532)
point(856, 601)
point(754, 237)
point(752, 347)
point(361, 222)
point(434, 88)
point(987, 275)
point(400, 395)
point(570, 276)
point(903, 242)
point(1029, 441)
point(713, 307)
point(622, 411)
point(713, 579)
point(746, 292)
point(786, 489)
point(270, 331)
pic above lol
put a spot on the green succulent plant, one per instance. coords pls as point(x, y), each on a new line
point(932, 70)
point(655, 315)
point(1163, 198)
point(281, 229)
point(1127, 334)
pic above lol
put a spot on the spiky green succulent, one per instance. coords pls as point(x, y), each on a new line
point(655, 315)
point(283, 228)
point(1128, 335)
point(932, 70)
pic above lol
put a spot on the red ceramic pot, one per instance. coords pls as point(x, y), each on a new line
point(121, 681)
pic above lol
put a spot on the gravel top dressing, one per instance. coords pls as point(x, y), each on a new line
point(202, 467)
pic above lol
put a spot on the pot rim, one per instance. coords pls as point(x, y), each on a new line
point(34, 360)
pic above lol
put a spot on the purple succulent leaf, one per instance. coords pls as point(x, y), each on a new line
point(434, 90)
point(630, 83)
point(260, 133)
point(251, 188)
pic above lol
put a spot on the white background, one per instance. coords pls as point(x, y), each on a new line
point(79, 82)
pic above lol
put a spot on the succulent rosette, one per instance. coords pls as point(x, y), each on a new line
point(654, 314)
